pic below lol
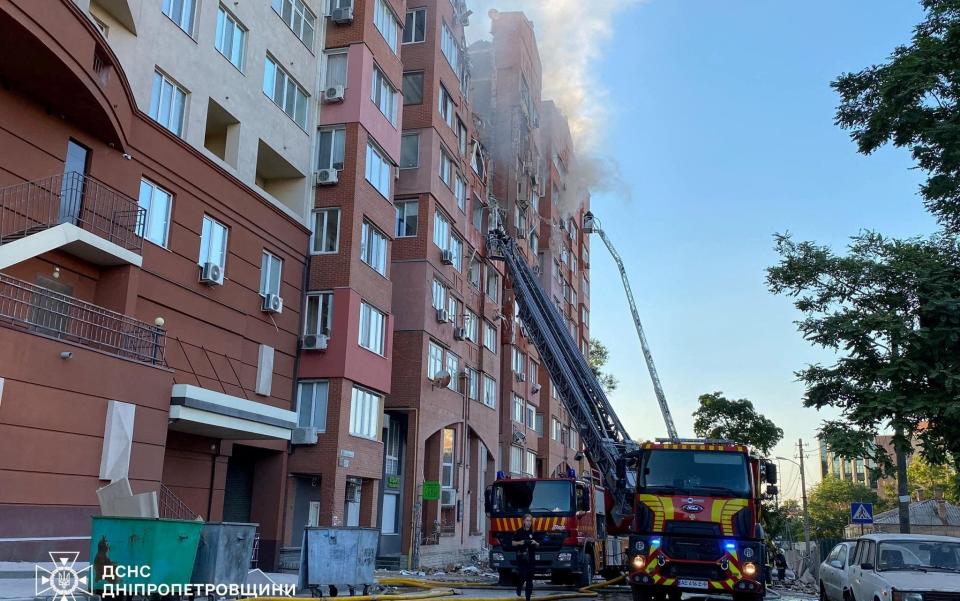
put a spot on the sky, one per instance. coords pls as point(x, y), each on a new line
point(719, 118)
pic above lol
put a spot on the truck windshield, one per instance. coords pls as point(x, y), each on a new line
point(686, 471)
point(543, 497)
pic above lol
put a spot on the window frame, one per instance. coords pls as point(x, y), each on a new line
point(324, 312)
point(154, 188)
point(368, 424)
point(403, 89)
point(322, 427)
point(423, 13)
point(334, 132)
point(327, 55)
point(403, 216)
point(271, 63)
point(156, 95)
point(489, 385)
point(381, 11)
point(223, 17)
point(304, 13)
point(367, 333)
point(267, 262)
point(313, 230)
point(167, 5)
point(224, 246)
point(373, 240)
point(405, 136)
point(384, 163)
point(378, 84)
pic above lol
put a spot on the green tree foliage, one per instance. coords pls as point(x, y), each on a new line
point(720, 417)
point(911, 101)
point(890, 312)
point(598, 357)
point(783, 521)
point(829, 505)
point(926, 479)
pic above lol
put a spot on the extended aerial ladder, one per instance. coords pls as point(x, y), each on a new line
point(607, 442)
point(592, 225)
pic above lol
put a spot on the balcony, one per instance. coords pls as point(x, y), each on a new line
point(72, 212)
point(48, 313)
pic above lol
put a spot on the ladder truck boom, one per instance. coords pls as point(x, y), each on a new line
point(607, 442)
point(592, 225)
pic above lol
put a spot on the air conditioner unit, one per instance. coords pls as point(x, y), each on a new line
point(448, 497)
point(446, 257)
point(521, 377)
point(443, 316)
point(303, 436)
point(272, 303)
point(342, 16)
point(460, 333)
point(333, 94)
point(326, 177)
point(212, 274)
point(315, 342)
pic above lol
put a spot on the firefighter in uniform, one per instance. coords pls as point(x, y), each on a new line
point(525, 545)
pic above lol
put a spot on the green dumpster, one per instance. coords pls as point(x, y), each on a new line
point(125, 546)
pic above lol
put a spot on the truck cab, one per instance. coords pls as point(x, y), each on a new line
point(696, 525)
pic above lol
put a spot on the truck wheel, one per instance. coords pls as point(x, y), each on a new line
point(586, 572)
point(641, 593)
point(505, 578)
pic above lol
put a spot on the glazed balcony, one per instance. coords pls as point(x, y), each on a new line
point(74, 213)
point(42, 311)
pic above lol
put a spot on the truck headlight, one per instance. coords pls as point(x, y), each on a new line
point(496, 556)
point(749, 569)
point(638, 562)
point(564, 556)
point(907, 596)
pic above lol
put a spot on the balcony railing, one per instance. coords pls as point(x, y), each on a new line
point(43, 311)
point(74, 198)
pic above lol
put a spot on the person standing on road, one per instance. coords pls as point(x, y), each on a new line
point(780, 561)
point(526, 546)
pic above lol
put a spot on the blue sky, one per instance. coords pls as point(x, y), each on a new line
point(720, 116)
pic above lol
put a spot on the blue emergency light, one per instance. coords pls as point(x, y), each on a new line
point(501, 475)
point(571, 473)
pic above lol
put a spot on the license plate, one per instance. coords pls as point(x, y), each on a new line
point(684, 583)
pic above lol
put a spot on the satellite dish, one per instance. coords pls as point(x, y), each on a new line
point(441, 379)
point(535, 388)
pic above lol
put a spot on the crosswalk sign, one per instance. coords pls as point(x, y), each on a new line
point(861, 513)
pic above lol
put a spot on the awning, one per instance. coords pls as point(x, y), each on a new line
point(209, 413)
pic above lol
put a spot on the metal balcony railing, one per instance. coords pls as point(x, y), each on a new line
point(43, 311)
point(30, 207)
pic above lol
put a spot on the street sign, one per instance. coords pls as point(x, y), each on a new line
point(431, 490)
point(861, 513)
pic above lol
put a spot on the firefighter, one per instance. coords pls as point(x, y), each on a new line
point(526, 546)
point(780, 561)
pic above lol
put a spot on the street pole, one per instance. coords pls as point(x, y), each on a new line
point(803, 496)
point(903, 492)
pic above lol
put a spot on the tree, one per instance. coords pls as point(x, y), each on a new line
point(720, 417)
point(926, 480)
point(912, 101)
point(829, 505)
point(598, 357)
point(783, 521)
point(890, 311)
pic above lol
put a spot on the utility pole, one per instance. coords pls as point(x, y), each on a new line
point(903, 492)
point(803, 496)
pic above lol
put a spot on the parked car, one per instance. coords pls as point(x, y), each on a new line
point(905, 567)
point(835, 572)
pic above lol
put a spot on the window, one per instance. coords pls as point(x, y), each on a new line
point(453, 368)
point(460, 192)
point(439, 295)
point(434, 360)
point(441, 231)
point(168, 103)
point(456, 249)
point(157, 203)
point(555, 429)
point(518, 409)
point(574, 444)
point(180, 12)
point(533, 371)
point(489, 336)
point(410, 151)
point(271, 271)
point(454, 307)
point(531, 468)
point(386, 24)
point(473, 384)
point(474, 272)
point(462, 137)
point(379, 170)
point(446, 458)
point(516, 460)
point(312, 405)
point(519, 362)
point(493, 284)
point(298, 17)
point(285, 92)
point(538, 424)
point(450, 49)
point(336, 74)
point(384, 95)
point(231, 37)
point(447, 107)
point(365, 413)
point(319, 314)
point(446, 168)
point(372, 326)
point(531, 416)
point(407, 213)
point(392, 447)
point(415, 28)
point(534, 242)
point(489, 391)
point(477, 216)
point(213, 243)
point(331, 142)
point(373, 247)
point(413, 87)
point(326, 231)
point(471, 323)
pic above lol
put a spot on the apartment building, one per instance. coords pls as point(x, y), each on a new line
point(150, 299)
point(239, 81)
point(346, 360)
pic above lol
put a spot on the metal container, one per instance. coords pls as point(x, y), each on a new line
point(338, 557)
point(166, 548)
point(224, 553)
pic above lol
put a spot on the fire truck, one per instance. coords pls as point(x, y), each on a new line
point(685, 511)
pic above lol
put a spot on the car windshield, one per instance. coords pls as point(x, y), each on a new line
point(542, 497)
point(701, 472)
point(923, 555)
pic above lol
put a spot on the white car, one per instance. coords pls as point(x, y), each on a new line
point(905, 567)
point(835, 573)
